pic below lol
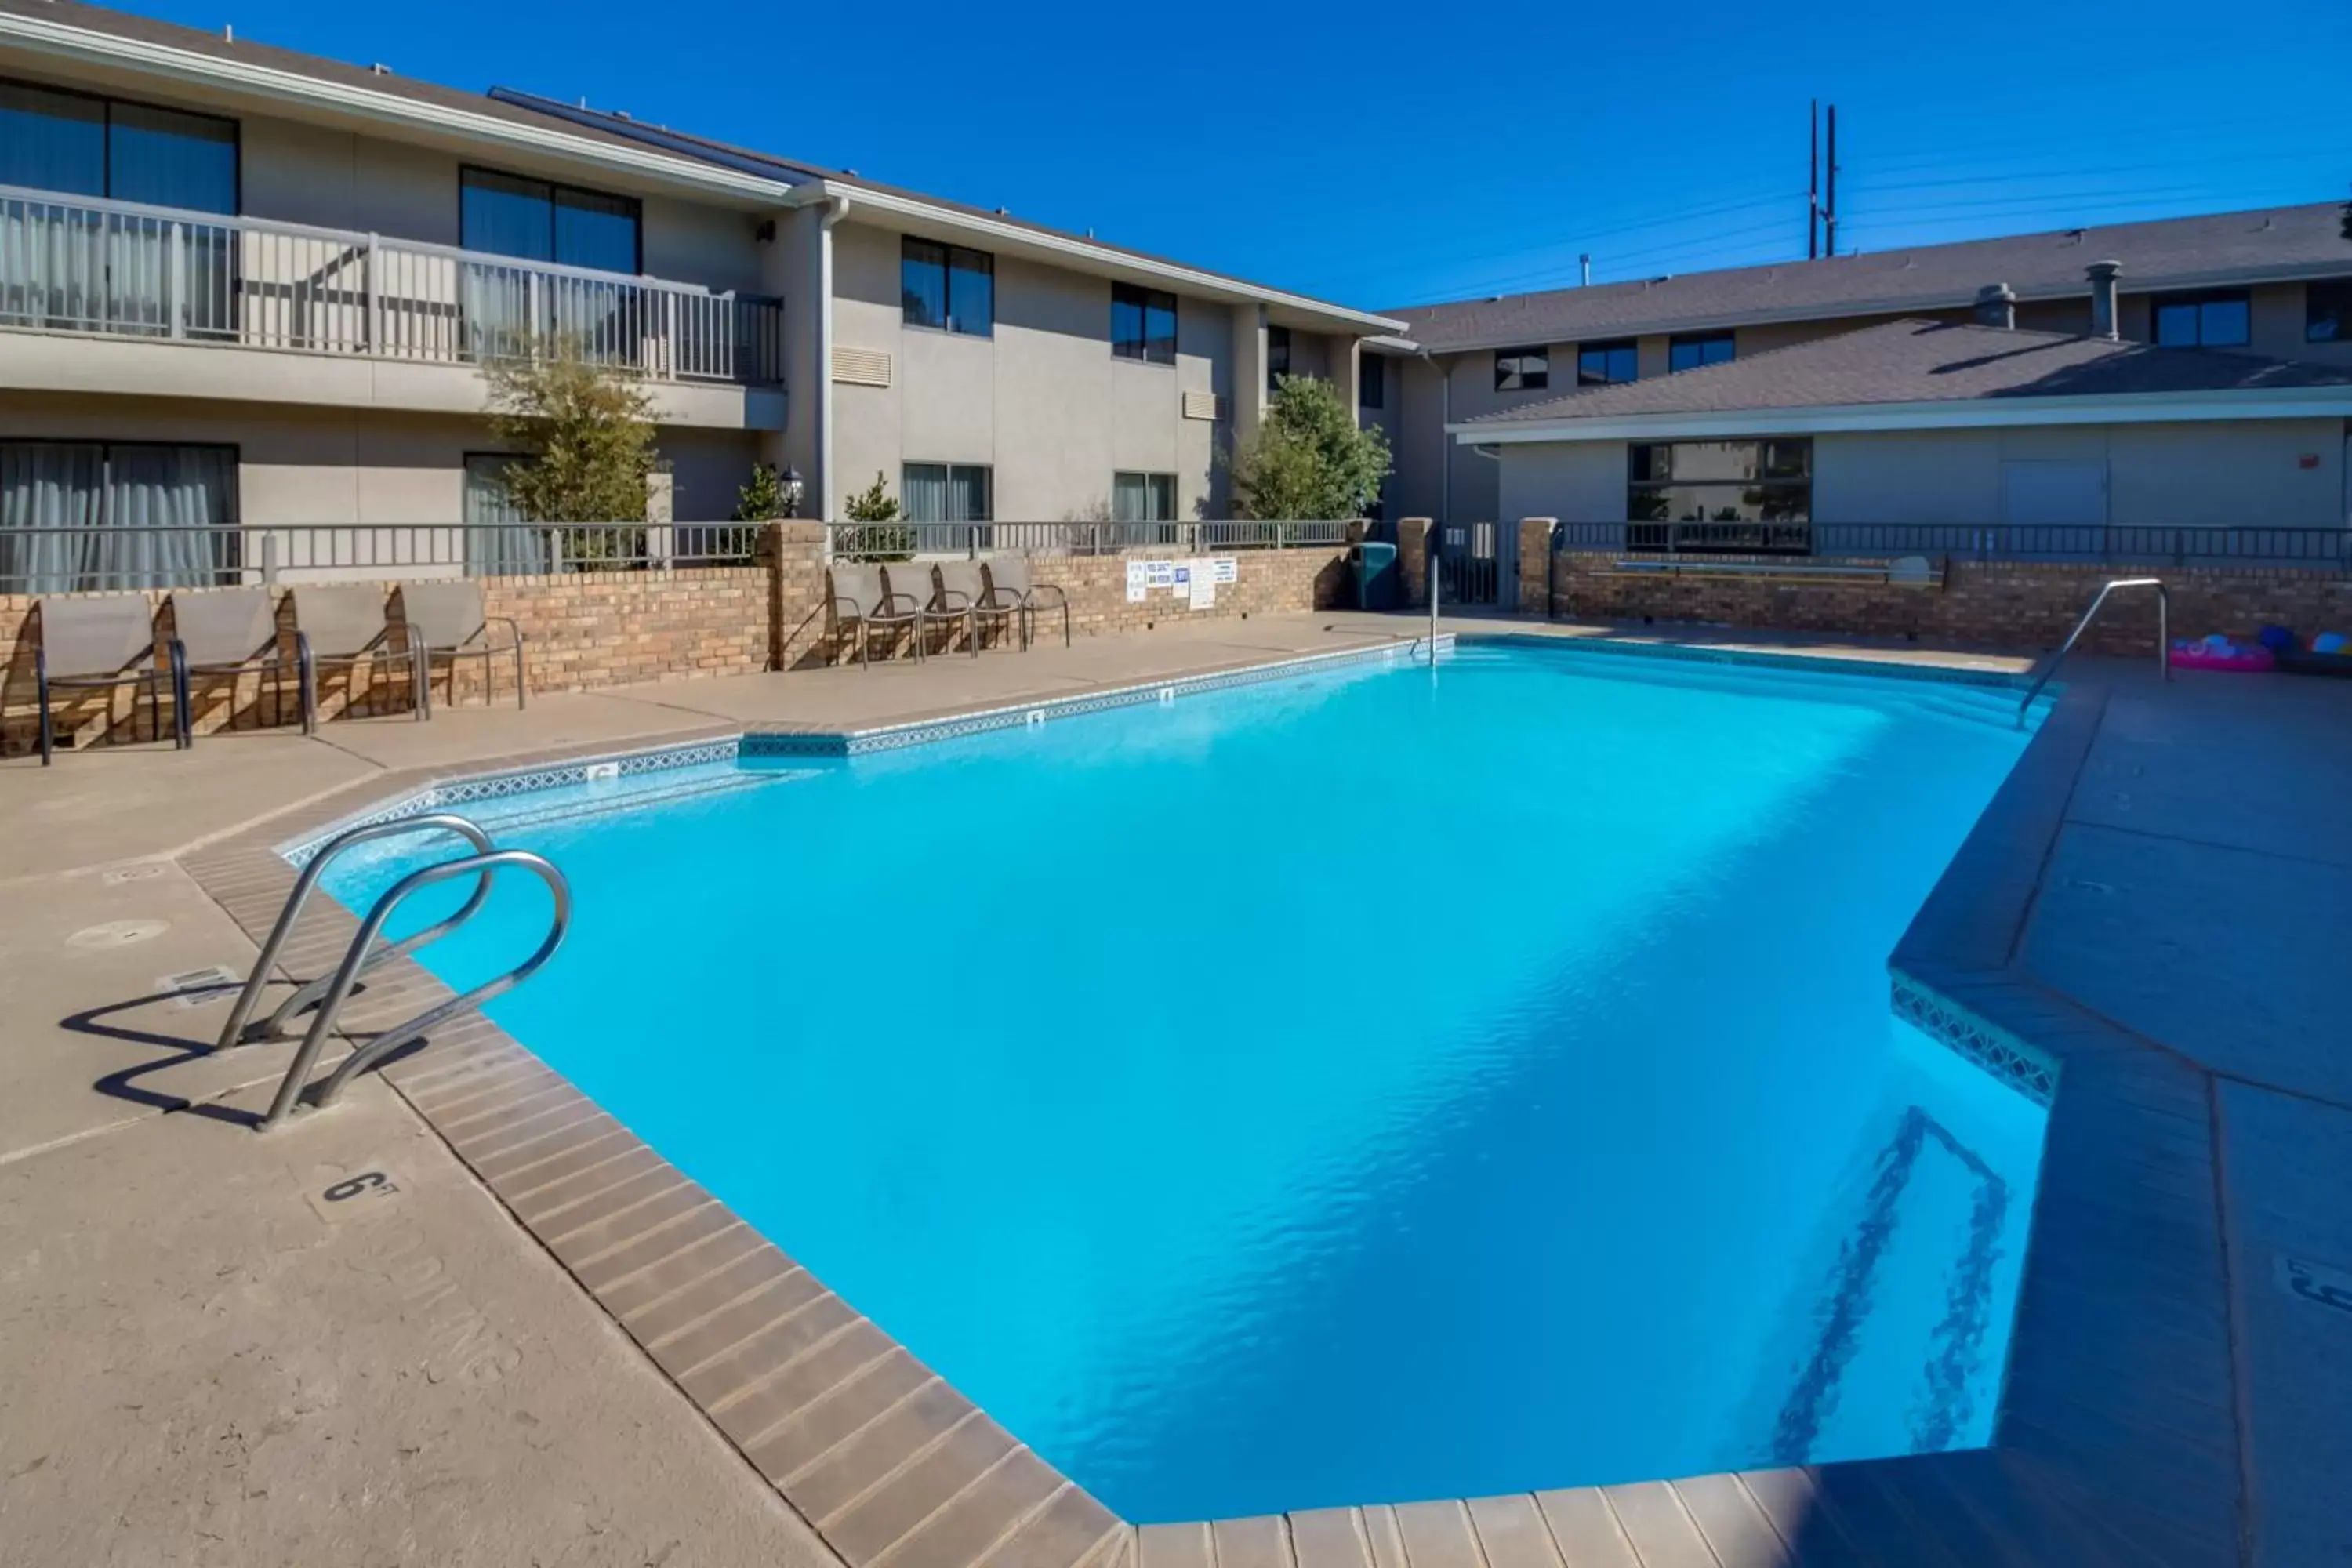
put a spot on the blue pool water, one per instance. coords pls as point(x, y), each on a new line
point(1362, 1087)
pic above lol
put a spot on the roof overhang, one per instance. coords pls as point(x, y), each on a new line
point(63, 41)
point(901, 210)
point(1981, 413)
point(1893, 305)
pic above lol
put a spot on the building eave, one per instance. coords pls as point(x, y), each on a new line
point(82, 45)
point(1050, 244)
point(1983, 413)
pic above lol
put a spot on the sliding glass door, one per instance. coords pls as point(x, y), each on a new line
point(83, 515)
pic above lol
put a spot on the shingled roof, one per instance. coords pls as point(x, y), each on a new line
point(2185, 252)
point(1929, 362)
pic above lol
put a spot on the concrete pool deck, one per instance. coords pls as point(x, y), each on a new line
point(204, 1358)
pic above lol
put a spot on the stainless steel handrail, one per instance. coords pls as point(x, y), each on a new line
point(235, 1031)
point(2163, 637)
point(323, 1024)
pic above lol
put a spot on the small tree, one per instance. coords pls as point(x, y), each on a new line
point(761, 501)
point(586, 431)
point(1308, 460)
point(873, 504)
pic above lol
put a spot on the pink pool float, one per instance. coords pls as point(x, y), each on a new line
point(2218, 652)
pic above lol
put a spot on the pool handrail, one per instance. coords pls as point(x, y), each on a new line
point(291, 1089)
point(235, 1031)
point(2163, 637)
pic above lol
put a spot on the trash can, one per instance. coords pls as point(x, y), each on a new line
point(1376, 574)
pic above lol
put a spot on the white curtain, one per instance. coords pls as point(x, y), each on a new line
point(77, 515)
point(498, 542)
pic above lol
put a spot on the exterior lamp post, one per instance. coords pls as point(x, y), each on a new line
point(794, 488)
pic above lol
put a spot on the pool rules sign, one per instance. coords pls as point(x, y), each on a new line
point(1193, 581)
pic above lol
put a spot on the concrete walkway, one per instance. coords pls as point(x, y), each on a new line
point(215, 1348)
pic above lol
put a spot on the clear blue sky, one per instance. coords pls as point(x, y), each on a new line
point(1384, 154)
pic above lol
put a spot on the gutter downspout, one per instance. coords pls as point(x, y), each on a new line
point(836, 207)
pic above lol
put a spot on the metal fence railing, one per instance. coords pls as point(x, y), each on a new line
point(868, 541)
point(2117, 544)
point(81, 265)
point(62, 561)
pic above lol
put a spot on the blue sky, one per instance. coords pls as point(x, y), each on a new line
point(1385, 154)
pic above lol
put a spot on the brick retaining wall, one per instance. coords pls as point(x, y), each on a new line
point(1988, 603)
point(587, 630)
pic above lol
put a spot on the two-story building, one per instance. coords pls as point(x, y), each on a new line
point(2273, 285)
point(244, 287)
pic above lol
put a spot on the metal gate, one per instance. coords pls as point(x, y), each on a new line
point(1467, 571)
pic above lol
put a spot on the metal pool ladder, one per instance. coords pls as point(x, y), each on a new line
point(329, 992)
point(2163, 637)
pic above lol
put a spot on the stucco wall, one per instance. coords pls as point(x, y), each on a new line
point(301, 465)
point(2246, 473)
point(1043, 402)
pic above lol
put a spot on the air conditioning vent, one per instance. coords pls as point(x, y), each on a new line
point(1201, 406)
point(861, 367)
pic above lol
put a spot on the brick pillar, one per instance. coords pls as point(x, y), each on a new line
point(799, 614)
point(1535, 565)
point(1413, 557)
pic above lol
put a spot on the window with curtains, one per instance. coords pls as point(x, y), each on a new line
point(498, 542)
point(512, 215)
point(1143, 498)
point(84, 515)
point(947, 288)
point(1142, 324)
point(81, 145)
point(947, 493)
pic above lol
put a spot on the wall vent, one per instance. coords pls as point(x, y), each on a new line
point(1200, 405)
point(861, 367)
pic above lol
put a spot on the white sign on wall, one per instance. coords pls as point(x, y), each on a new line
point(1228, 568)
point(1138, 581)
point(1201, 584)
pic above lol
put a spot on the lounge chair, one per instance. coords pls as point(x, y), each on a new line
point(1010, 588)
point(225, 632)
point(341, 628)
point(446, 620)
point(963, 591)
point(859, 596)
point(99, 644)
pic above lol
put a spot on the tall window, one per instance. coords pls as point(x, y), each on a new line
point(85, 146)
point(947, 493)
point(947, 286)
point(1690, 350)
point(91, 514)
point(1142, 324)
point(1372, 382)
point(1605, 364)
point(1719, 481)
point(1522, 369)
point(2220, 318)
point(2327, 311)
point(1143, 498)
point(509, 214)
point(1277, 358)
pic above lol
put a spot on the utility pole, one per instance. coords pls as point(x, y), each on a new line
point(1813, 180)
point(1829, 222)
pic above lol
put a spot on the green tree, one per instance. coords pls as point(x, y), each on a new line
point(761, 501)
point(586, 432)
point(1308, 460)
point(873, 504)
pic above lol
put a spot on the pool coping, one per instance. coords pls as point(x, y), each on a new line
point(892, 1465)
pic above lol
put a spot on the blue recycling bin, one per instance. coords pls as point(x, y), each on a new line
point(1377, 578)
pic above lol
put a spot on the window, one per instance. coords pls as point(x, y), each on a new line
point(1692, 349)
point(947, 286)
point(84, 146)
point(89, 514)
point(1143, 498)
point(1277, 358)
point(1719, 481)
point(947, 493)
point(1605, 364)
point(1522, 369)
point(1372, 382)
point(1143, 324)
point(2219, 319)
point(2328, 312)
point(508, 214)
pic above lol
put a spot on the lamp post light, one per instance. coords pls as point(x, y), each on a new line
point(794, 488)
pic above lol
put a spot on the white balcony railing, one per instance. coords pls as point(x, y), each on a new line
point(78, 264)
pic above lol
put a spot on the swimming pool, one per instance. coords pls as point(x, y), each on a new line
point(1365, 1086)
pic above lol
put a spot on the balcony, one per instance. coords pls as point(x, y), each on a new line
point(156, 275)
